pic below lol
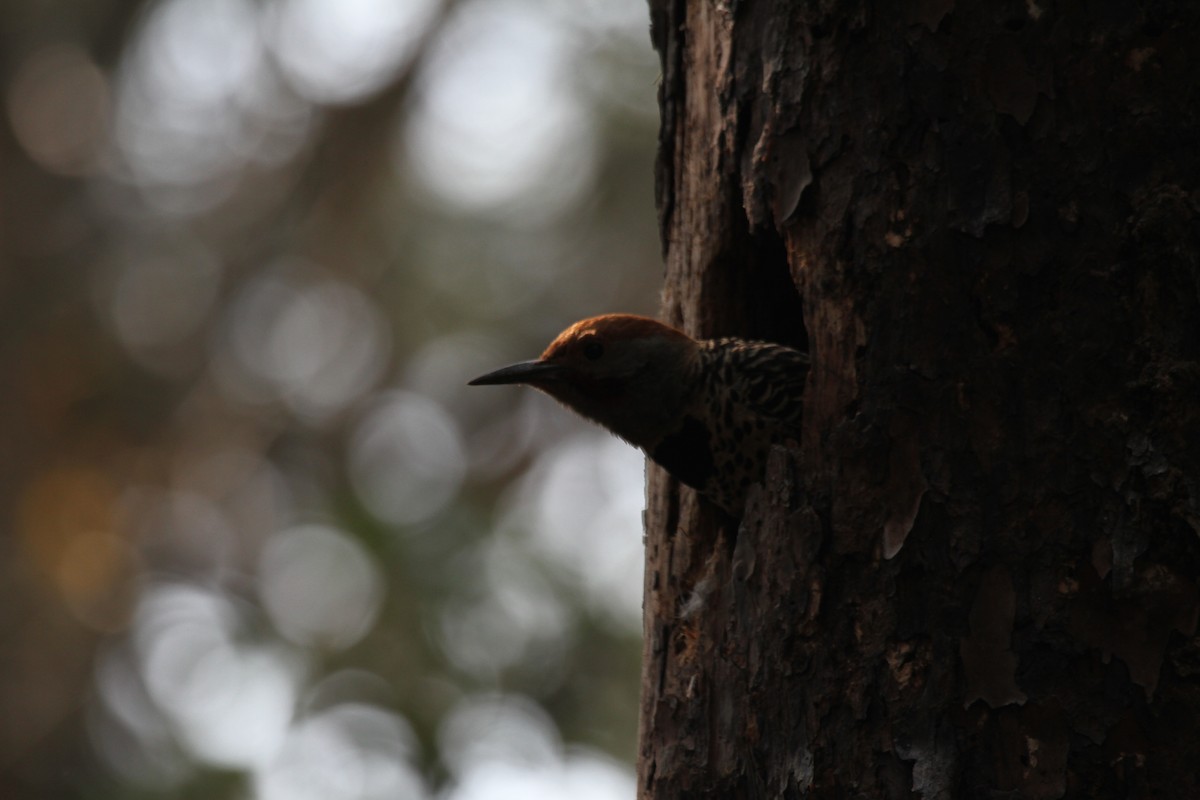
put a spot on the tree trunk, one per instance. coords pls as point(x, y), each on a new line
point(977, 575)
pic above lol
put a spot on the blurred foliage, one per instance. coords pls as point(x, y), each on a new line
point(259, 539)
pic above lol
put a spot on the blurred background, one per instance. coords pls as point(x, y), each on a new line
point(257, 538)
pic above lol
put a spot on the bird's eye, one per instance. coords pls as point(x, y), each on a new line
point(592, 349)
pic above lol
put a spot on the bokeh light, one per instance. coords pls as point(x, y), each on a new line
point(184, 101)
point(585, 494)
point(347, 752)
point(228, 702)
point(507, 748)
point(319, 587)
point(406, 458)
point(499, 123)
point(158, 296)
point(336, 51)
point(58, 105)
point(264, 541)
point(510, 616)
point(313, 344)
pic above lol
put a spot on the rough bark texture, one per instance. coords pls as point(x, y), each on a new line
point(978, 575)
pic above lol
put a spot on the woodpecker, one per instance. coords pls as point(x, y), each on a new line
point(708, 411)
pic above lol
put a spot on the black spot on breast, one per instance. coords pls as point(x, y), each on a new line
point(687, 453)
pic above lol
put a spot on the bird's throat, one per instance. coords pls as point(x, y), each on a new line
point(687, 453)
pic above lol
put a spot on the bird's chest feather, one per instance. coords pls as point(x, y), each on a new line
point(720, 449)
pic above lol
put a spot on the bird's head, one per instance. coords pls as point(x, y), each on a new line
point(631, 374)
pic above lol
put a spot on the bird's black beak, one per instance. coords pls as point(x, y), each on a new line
point(531, 372)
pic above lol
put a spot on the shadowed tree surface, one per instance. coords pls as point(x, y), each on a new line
point(977, 575)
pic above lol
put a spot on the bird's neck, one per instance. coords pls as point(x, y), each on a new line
point(662, 398)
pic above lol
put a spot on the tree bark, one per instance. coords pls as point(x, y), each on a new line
point(977, 575)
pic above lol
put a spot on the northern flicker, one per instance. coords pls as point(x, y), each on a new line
point(708, 411)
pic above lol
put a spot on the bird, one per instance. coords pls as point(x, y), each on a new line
point(706, 410)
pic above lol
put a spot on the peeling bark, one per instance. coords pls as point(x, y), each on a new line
point(978, 573)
